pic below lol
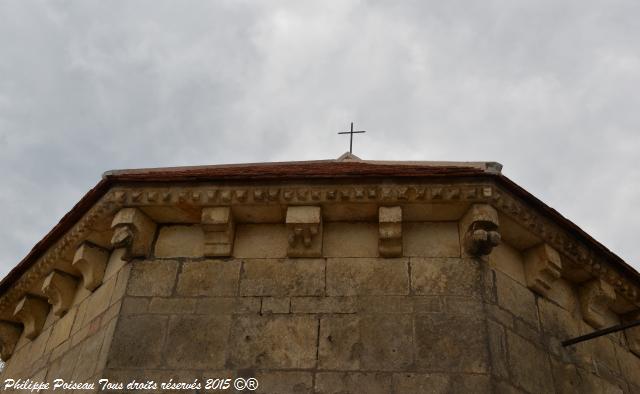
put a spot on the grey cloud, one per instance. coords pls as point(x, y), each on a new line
point(548, 88)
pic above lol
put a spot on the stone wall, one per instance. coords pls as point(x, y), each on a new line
point(427, 317)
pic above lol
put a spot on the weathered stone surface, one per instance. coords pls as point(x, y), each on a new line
point(134, 231)
point(172, 305)
point(390, 231)
point(300, 277)
point(633, 334)
point(629, 366)
point(498, 349)
point(180, 241)
point(342, 239)
point(61, 329)
point(595, 298)
point(304, 226)
point(91, 261)
point(60, 289)
point(529, 365)
point(453, 343)
point(509, 261)
point(152, 278)
point(32, 312)
point(278, 382)
point(542, 266)
point(260, 241)
point(431, 239)
point(373, 342)
point(479, 230)
point(349, 277)
point(219, 231)
point(196, 342)
point(228, 305)
point(569, 380)
point(276, 305)
point(275, 341)
point(517, 299)
point(138, 342)
point(88, 357)
point(209, 278)
point(9, 334)
point(323, 305)
point(353, 383)
point(440, 383)
point(438, 276)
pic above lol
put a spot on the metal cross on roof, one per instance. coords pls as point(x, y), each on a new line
point(351, 136)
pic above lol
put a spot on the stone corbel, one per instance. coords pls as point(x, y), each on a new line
point(542, 266)
point(9, 335)
point(134, 231)
point(91, 261)
point(305, 231)
point(479, 230)
point(633, 334)
point(219, 231)
point(595, 297)
point(32, 312)
point(390, 231)
point(60, 288)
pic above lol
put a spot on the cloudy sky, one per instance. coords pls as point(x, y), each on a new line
point(551, 89)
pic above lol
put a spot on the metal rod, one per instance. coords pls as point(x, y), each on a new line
point(351, 139)
point(599, 333)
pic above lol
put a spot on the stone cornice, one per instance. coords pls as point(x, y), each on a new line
point(485, 190)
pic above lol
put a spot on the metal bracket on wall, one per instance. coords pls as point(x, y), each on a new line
point(601, 332)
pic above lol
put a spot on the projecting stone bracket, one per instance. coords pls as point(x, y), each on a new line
point(91, 261)
point(595, 298)
point(9, 335)
point(219, 231)
point(305, 231)
point(134, 231)
point(479, 228)
point(60, 288)
point(390, 231)
point(32, 312)
point(542, 267)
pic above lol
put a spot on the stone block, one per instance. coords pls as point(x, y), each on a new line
point(440, 383)
point(262, 342)
point(180, 241)
point(260, 241)
point(323, 305)
point(542, 266)
point(209, 278)
point(509, 261)
point(556, 321)
point(91, 261)
point(219, 231)
point(134, 305)
point(390, 231)
point(498, 349)
point(9, 335)
point(228, 305)
point(280, 382)
point(115, 263)
point(453, 343)
point(99, 300)
point(143, 333)
point(431, 239)
point(385, 304)
point(279, 278)
point(361, 276)
point(88, 357)
point(152, 278)
point(441, 276)
point(629, 366)
point(196, 342)
point(350, 239)
point(529, 365)
point(172, 305)
point(366, 342)
point(304, 227)
point(61, 329)
point(633, 334)
point(276, 305)
point(517, 299)
point(353, 383)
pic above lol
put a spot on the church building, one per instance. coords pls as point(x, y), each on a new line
point(324, 277)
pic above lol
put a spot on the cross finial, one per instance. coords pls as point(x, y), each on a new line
point(351, 136)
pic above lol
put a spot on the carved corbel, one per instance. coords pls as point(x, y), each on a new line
point(9, 335)
point(60, 289)
point(479, 230)
point(390, 231)
point(542, 266)
point(633, 334)
point(305, 231)
point(219, 231)
point(32, 312)
point(595, 297)
point(91, 261)
point(133, 230)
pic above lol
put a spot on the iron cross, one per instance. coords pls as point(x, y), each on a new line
point(351, 136)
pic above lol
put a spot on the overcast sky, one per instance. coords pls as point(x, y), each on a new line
point(550, 89)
